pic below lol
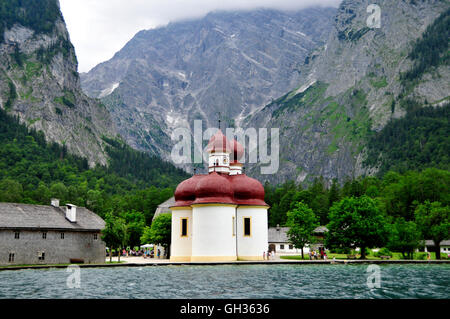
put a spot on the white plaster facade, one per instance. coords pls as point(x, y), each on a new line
point(216, 233)
point(252, 247)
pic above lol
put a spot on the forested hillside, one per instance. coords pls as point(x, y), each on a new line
point(39, 15)
point(398, 194)
point(33, 171)
point(39, 81)
point(419, 140)
point(362, 80)
point(431, 50)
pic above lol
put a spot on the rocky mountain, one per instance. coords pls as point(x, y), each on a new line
point(351, 87)
point(39, 81)
point(228, 62)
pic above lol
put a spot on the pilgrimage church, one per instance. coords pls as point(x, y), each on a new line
point(219, 216)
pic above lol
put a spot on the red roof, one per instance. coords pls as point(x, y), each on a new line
point(247, 190)
point(217, 188)
point(213, 188)
point(185, 192)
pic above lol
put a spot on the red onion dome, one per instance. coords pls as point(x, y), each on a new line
point(237, 150)
point(185, 192)
point(219, 143)
point(247, 190)
point(213, 188)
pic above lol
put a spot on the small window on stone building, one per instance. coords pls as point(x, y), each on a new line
point(291, 246)
point(11, 257)
point(17, 235)
point(41, 255)
point(95, 236)
point(44, 235)
point(62, 235)
point(247, 226)
point(281, 246)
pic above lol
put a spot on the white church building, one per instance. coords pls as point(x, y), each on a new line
point(219, 216)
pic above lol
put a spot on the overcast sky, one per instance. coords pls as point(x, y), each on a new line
point(100, 28)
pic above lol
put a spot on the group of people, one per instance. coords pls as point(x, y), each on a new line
point(316, 255)
point(146, 253)
point(150, 253)
point(268, 255)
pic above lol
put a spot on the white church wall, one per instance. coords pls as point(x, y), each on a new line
point(252, 247)
point(213, 238)
point(181, 246)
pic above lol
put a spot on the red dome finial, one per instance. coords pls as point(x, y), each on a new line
point(219, 143)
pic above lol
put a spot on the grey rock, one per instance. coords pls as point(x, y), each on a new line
point(79, 123)
point(356, 78)
point(228, 62)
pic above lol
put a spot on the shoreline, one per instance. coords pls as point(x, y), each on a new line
point(239, 262)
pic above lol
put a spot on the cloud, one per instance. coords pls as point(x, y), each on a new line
point(100, 28)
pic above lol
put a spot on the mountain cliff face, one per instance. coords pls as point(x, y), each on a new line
point(228, 62)
point(39, 81)
point(352, 87)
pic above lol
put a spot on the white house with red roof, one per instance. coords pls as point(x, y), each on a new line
point(220, 216)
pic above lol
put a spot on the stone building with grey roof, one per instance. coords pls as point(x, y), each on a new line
point(164, 207)
point(279, 241)
point(38, 234)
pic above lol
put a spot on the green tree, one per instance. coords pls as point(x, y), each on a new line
point(10, 191)
point(114, 234)
point(302, 222)
point(404, 237)
point(160, 232)
point(135, 227)
point(59, 190)
point(356, 222)
point(42, 194)
point(334, 194)
point(433, 221)
point(319, 200)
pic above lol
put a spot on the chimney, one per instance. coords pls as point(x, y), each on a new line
point(278, 227)
point(71, 213)
point(54, 202)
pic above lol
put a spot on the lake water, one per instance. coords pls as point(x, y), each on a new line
point(231, 281)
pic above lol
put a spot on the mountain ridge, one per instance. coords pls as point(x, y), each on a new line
point(352, 88)
point(39, 81)
point(227, 62)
